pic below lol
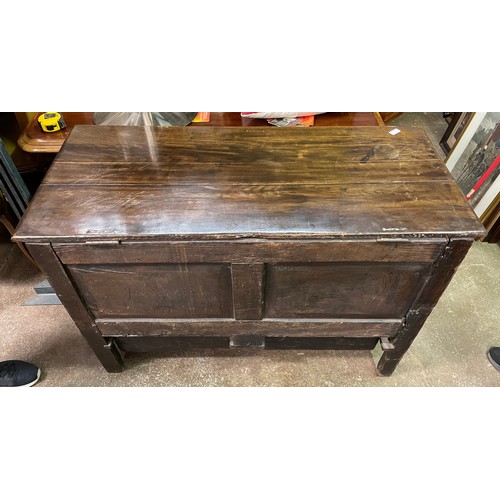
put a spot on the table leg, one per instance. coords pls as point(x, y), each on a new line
point(108, 354)
point(402, 341)
point(443, 270)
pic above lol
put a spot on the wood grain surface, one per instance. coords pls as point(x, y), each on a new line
point(114, 327)
point(253, 251)
point(341, 291)
point(168, 291)
point(233, 182)
point(442, 272)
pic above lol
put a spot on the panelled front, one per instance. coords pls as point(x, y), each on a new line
point(337, 288)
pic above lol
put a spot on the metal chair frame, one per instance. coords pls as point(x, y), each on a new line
point(16, 193)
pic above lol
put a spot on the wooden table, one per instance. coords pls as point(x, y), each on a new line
point(263, 237)
point(34, 140)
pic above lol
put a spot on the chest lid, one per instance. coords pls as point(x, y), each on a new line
point(129, 183)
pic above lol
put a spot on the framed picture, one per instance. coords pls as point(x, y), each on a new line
point(476, 166)
point(491, 220)
point(455, 129)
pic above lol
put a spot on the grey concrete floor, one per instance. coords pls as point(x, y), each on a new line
point(433, 123)
point(449, 351)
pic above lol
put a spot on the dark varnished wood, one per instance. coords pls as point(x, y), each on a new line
point(340, 236)
point(206, 182)
point(183, 343)
point(254, 251)
point(269, 211)
point(167, 291)
point(48, 262)
point(221, 146)
point(339, 343)
point(171, 171)
point(417, 314)
point(321, 290)
point(114, 327)
point(248, 290)
point(173, 343)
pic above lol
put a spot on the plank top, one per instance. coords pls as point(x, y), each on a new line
point(236, 182)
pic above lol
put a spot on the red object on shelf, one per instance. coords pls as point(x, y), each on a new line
point(483, 178)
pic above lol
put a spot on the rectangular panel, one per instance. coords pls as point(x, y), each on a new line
point(115, 327)
point(223, 145)
point(364, 343)
point(149, 344)
point(163, 291)
point(248, 293)
point(158, 344)
point(171, 171)
point(334, 291)
point(253, 251)
point(295, 211)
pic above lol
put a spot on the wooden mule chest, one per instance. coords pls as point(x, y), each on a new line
point(321, 237)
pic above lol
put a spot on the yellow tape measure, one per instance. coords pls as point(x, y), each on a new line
point(51, 122)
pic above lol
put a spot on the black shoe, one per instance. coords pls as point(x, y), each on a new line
point(494, 357)
point(18, 374)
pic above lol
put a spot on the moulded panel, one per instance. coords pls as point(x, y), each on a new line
point(341, 290)
point(156, 291)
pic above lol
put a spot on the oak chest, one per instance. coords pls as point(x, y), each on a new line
point(326, 237)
